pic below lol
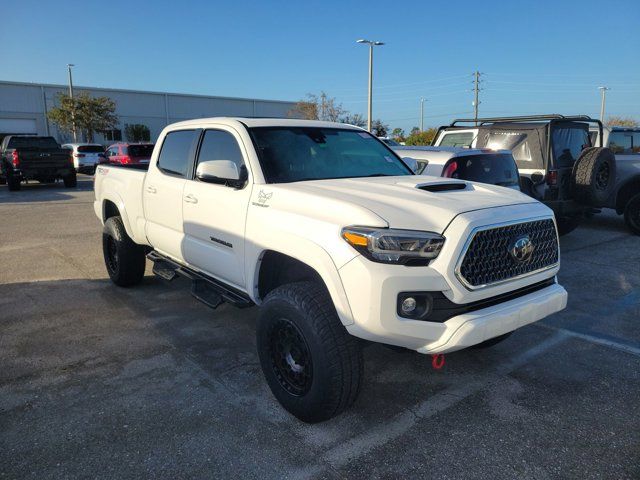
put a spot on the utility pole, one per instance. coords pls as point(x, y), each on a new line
point(476, 91)
point(73, 115)
point(370, 98)
point(422, 100)
point(603, 91)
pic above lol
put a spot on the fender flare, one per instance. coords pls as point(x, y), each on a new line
point(119, 203)
point(317, 258)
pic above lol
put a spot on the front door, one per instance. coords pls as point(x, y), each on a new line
point(162, 193)
point(214, 214)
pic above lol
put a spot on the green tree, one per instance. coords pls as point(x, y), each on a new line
point(136, 132)
point(379, 129)
point(414, 130)
point(88, 114)
point(421, 138)
point(398, 134)
point(616, 121)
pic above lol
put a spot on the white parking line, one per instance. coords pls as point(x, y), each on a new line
point(378, 436)
point(594, 339)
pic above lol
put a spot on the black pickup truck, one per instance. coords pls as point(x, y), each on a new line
point(34, 158)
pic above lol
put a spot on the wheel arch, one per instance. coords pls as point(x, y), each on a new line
point(113, 206)
point(274, 268)
point(626, 191)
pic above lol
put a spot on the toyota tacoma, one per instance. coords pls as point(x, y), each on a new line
point(337, 241)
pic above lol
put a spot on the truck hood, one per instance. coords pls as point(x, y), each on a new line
point(406, 202)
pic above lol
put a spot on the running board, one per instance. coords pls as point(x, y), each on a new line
point(208, 290)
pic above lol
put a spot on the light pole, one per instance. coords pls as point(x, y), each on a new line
point(422, 100)
point(603, 91)
point(369, 107)
point(73, 106)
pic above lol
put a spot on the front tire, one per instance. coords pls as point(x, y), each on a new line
point(14, 184)
point(632, 214)
point(70, 181)
point(311, 363)
point(125, 260)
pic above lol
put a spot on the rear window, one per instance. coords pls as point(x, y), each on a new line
point(91, 149)
point(140, 150)
point(495, 169)
point(567, 144)
point(624, 142)
point(459, 139)
point(33, 142)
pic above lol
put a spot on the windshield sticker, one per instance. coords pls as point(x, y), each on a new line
point(388, 159)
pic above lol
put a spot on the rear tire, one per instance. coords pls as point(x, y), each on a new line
point(632, 214)
point(14, 184)
point(125, 260)
point(312, 365)
point(70, 181)
point(594, 176)
point(567, 224)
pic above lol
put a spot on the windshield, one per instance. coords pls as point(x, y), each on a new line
point(91, 149)
point(32, 142)
point(494, 168)
point(292, 154)
point(141, 150)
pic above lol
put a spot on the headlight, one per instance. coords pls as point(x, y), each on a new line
point(385, 245)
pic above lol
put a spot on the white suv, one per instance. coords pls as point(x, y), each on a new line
point(86, 156)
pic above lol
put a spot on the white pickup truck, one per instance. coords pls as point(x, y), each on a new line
point(333, 236)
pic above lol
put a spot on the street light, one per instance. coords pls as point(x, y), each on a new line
point(369, 107)
point(73, 116)
point(422, 100)
point(603, 91)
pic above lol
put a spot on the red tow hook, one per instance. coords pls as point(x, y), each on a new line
point(437, 360)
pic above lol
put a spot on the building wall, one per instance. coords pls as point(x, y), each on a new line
point(26, 104)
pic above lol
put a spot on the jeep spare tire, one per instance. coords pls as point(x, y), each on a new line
point(594, 176)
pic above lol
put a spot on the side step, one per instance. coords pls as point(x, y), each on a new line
point(208, 290)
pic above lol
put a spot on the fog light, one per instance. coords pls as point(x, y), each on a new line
point(408, 305)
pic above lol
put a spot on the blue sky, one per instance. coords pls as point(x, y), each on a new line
point(536, 57)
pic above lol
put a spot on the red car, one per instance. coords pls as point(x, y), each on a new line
point(129, 153)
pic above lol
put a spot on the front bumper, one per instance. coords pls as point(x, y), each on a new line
point(373, 304)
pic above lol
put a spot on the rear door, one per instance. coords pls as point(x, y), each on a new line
point(215, 214)
point(162, 192)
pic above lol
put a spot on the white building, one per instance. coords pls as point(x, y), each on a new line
point(24, 107)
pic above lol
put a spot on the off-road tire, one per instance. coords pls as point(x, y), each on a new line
point(70, 181)
point(14, 184)
point(125, 260)
point(491, 342)
point(567, 224)
point(332, 382)
point(632, 214)
point(594, 176)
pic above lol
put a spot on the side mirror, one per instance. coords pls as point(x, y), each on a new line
point(412, 163)
point(221, 171)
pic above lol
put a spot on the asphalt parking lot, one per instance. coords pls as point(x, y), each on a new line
point(102, 382)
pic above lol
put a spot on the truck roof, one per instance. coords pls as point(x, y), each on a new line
point(264, 122)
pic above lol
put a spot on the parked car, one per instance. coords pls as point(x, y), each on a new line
point(624, 142)
point(85, 156)
point(129, 153)
point(496, 167)
point(389, 141)
point(336, 239)
point(25, 157)
point(556, 161)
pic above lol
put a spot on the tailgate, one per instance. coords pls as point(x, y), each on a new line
point(35, 159)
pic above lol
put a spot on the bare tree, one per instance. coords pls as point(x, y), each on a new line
point(354, 119)
point(318, 107)
point(616, 121)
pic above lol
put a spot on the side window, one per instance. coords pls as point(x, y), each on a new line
point(459, 139)
point(174, 155)
point(220, 145)
point(624, 142)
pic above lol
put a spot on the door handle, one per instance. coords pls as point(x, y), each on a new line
point(190, 199)
point(151, 189)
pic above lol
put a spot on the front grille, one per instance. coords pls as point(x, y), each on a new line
point(488, 258)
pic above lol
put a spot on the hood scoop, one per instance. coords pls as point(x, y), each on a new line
point(441, 187)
